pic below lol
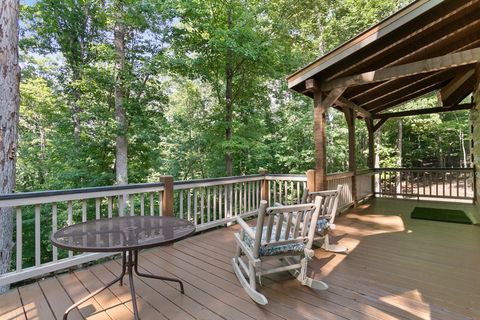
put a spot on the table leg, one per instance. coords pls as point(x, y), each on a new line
point(140, 274)
point(130, 265)
point(119, 278)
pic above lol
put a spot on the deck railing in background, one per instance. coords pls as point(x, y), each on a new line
point(207, 203)
point(37, 215)
point(424, 183)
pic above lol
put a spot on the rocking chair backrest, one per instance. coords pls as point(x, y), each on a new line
point(328, 203)
point(286, 225)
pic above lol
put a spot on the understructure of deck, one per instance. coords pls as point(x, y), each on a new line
point(397, 268)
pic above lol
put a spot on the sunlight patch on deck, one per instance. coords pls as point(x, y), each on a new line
point(410, 301)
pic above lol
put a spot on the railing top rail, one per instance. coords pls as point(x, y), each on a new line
point(425, 169)
point(188, 184)
point(287, 177)
point(49, 193)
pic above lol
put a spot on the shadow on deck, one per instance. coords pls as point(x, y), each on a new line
point(397, 268)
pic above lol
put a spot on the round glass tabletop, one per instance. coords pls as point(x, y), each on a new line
point(122, 233)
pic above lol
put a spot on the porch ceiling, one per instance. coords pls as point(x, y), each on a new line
point(435, 45)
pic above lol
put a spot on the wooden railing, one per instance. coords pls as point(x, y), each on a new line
point(207, 203)
point(424, 183)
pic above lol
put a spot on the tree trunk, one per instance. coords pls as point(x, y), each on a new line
point(228, 101)
point(121, 160)
point(9, 108)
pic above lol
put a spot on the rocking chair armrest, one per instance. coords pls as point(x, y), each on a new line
point(246, 228)
point(278, 204)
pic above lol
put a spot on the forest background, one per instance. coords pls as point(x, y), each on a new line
point(126, 91)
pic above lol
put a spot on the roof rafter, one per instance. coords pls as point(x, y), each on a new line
point(423, 66)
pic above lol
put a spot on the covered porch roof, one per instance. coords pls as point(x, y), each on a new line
point(427, 46)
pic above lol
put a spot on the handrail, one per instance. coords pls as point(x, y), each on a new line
point(425, 169)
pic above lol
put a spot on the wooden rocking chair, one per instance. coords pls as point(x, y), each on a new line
point(326, 218)
point(284, 233)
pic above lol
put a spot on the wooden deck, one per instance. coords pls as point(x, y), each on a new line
point(397, 268)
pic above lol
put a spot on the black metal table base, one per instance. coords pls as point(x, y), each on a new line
point(129, 265)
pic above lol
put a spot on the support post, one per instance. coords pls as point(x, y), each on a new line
point(311, 180)
point(167, 197)
point(352, 159)
point(371, 149)
point(319, 129)
point(264, 190)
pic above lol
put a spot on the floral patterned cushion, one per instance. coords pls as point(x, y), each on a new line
point(274, 250)
point(322, 224)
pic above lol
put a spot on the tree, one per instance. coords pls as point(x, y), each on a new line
point(121, 160)
point(9, 109)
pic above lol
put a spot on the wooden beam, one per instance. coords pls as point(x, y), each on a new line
point(333, 96)
point(407, 97)
point(344, 102)
point(379, 124)
point(352, 160)
point(423, 66)
point(454, 85)
point(464, 106)
point(319, 131)
point(311, 85)
point(416, 36)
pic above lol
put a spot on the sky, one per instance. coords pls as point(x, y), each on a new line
point(28, 2)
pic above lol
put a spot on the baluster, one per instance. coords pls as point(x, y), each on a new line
point(152, 208)
point(208, 205)
point(54, 229)
point(249, 196)
point(280, 194)
point(225, 202)
point(465, 185)
point(132, 204)
point(97, 208)
point(37, 236)
point(142, 204)
point(202, 191)
point(457, 182)
point(189, 205)
point(160, 203)
point(230, 202)
point(245, 208)
point(235, 204)
point(19, 244)
point(69, 221)
point(215, 204)
point(84, 210)
point(219, 202)
point(195, 206)
point(181, 204)
point(109, 201)
point(298, 192)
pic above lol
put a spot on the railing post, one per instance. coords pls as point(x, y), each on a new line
point(264, 190)
point(311, 180)
point(167, 195)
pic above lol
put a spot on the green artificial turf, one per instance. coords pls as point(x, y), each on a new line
point(447, 215)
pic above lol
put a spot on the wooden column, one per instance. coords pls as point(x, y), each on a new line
point(264, 190)
point(311, 180)
point(371, 149)
point(352, 159)
point(319, 131)
point(167, 197)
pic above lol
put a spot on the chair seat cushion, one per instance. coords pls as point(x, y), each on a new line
point(322, 224)
point(274, 250)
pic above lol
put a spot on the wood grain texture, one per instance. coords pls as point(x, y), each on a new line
point(396, 268)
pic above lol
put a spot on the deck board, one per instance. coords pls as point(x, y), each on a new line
point(396, 268)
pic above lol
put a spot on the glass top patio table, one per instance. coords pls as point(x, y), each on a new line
point(121, 234)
